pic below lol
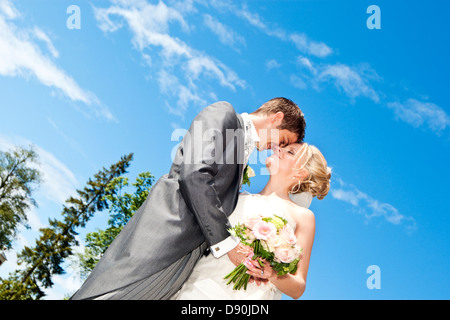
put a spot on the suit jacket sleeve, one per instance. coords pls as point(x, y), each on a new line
point(197, 174)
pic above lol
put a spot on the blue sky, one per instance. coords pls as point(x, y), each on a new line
point(376, 104)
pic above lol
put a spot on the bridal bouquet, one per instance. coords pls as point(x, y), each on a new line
point(271, 239)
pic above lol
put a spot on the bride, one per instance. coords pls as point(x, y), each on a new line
point(294, 169)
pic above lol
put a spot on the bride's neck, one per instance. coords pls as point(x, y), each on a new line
point(275, 187)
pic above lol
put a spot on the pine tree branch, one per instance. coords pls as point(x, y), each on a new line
point(55, 242)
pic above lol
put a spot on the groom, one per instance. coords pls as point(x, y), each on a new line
point(186, 212)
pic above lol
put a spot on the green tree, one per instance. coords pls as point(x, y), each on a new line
point(122, 206)
point(56, 242)
point(17, 180)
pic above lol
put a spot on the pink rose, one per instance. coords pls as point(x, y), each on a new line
point(252, 221)
point(287, 254)
point(273, 242)
point(264, 230)
point(288, 236)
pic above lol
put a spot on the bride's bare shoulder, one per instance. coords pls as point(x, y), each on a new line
point(302, 215)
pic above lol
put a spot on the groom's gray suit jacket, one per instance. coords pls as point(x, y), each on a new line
point(185, 208)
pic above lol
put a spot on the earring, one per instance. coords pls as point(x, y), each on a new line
point(296, 187)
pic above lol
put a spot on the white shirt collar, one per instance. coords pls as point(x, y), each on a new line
point(250, 136)
point(249, 128)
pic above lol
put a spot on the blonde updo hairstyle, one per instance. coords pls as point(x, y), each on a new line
point(317, 182)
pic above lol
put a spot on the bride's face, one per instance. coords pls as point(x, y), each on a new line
point(283, 160)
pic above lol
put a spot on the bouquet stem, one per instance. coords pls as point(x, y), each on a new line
point(239, 277)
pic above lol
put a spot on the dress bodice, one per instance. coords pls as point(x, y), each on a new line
point(255, 203)
point(207, 279)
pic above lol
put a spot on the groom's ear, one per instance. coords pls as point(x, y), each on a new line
point(277, 118)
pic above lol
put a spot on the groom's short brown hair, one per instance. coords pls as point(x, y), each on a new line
point(293, 120)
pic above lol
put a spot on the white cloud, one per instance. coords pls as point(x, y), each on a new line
point(306, 63)
point(349, 80)
point(8, 9)
point(300, 40)
point(33, 219)
point(58, 181)
point(250, 17)
point(272, 64)
point(20, 56)
point(150, 27)
point(371, 208)
point(201, 65)
point(354, 82)
point(225, 34)
point(419, 114)
point(41, 35)
point(298, 82)
point(349, 196)
point(63, 286)
point(314, 48)
point(170, 85)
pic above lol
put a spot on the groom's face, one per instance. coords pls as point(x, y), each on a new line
point(270, 137)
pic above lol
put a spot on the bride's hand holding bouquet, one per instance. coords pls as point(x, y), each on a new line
point(274, 249)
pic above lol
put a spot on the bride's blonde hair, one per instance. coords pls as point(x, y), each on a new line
point(319, 174)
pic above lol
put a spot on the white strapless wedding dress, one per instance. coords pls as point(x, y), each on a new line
point(207, 279)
